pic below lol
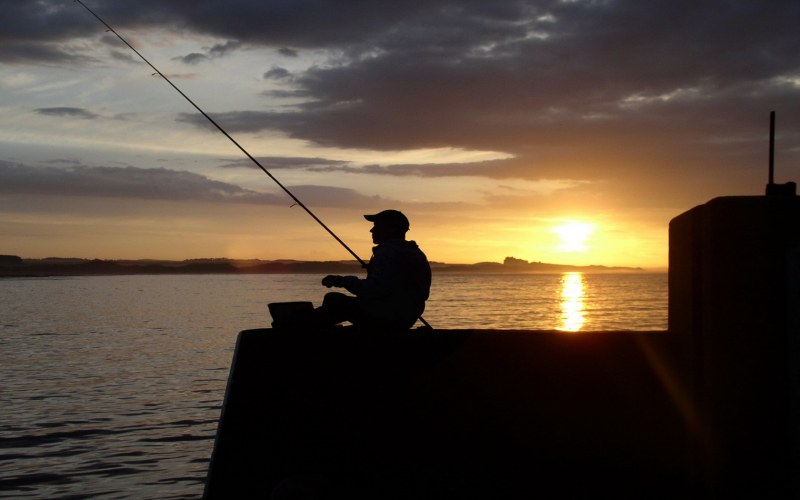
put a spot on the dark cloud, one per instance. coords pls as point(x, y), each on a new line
point(277, 73)
point(222, 49)
point(218, 50)
point(41, 20)
point(561, 85)
point(67, 112)
point(158, 184)
point(282, 162)
point(496, 169)
point(301, 23)
point(287, 94)
point(193, 58)
point(127, 182)
point(25, 52)
point(571, 89)
point(287, 52)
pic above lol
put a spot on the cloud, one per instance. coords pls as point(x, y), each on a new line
point(222, 49)
point(33, 32)
point(287, 52)
point(277, 73)
point(282, 162)
point(304, 23)
point(21, 52)
point(127, 182)
point(159, 184)
point(68, 112)
point(560, 85)
point(218, 50)
point(571, 89)
point(193, 58)
point(495, 169)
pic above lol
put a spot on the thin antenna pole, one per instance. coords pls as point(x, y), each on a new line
point(226, 134)
point(772, 147)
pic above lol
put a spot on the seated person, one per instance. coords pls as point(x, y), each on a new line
point(398, 281)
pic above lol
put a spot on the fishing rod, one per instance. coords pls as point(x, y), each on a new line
point(235, 143)
point(226, 134)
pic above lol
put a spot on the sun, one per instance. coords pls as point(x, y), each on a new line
point(574, 236)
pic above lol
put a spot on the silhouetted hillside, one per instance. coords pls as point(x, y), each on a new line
point(12, 265)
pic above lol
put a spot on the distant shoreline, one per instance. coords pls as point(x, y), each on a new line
point(13, 266)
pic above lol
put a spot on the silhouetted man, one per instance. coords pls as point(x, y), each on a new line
point(397, 285)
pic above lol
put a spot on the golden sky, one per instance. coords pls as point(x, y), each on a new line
point(556, 131)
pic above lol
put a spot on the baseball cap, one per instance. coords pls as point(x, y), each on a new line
point(393, 218)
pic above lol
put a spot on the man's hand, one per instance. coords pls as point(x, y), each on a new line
point(332, 280)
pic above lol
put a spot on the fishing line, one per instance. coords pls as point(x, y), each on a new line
point(226, 134)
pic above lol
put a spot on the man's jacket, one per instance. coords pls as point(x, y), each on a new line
point(397, 285)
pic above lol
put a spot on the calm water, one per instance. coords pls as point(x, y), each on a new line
point(112, 385)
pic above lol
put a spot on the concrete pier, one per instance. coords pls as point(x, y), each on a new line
point(452, 414)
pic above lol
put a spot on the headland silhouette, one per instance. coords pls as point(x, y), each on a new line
point(15, 266)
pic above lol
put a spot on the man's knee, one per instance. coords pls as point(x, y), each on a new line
point(336, 299)
point(337, 307)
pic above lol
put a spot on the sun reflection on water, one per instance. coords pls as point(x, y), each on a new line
point(572, 294)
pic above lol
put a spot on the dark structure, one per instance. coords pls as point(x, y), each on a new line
point(450, 414)
point(709, 409)
point(734, 303)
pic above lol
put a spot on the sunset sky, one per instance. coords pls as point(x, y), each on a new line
point(564, 131)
